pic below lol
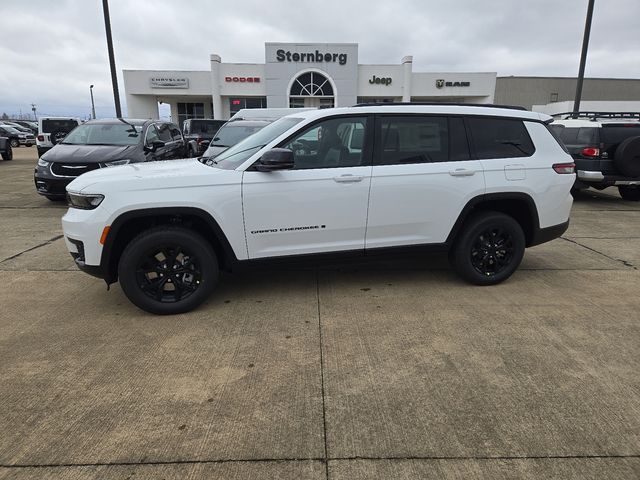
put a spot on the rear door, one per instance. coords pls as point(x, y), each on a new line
point(164, 135)
point(422, 178)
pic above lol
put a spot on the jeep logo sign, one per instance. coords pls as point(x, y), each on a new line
point(380, 81)
point(441, 83)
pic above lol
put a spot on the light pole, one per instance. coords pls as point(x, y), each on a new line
point(93, 106)
point(112, 60)
point(33, 109)
point(583, 59)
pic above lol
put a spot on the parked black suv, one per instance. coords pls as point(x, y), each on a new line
point(606, 150)
point(201, 131)
point(16, 137)
point(106, 143)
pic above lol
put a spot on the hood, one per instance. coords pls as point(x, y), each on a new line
point(148, 175)
point(89, 153)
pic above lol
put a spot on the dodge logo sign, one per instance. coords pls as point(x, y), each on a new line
point(439, 83)
point(242, 79)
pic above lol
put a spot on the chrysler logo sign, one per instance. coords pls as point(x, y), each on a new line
point(440, 83)
point(169, 82)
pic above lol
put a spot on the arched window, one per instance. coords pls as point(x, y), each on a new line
point(311, 84)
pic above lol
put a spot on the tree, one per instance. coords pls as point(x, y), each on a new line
point(5, 116)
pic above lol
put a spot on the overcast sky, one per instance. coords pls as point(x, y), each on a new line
point(52, 50)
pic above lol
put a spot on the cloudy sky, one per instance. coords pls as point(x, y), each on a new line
point(52, 50)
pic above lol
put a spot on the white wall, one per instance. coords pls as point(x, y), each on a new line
point(482, 85)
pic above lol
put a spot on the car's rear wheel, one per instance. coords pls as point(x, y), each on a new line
point(489, 249)
point(168, 270)
point(8, 155)
point(14, 143)
point(629, 192)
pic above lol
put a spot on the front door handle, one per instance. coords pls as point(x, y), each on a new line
point(462, 172)
point(348, 178)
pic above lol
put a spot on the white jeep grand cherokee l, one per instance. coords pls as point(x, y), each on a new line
point(481, 182)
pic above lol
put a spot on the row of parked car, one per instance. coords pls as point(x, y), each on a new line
point(67, 150)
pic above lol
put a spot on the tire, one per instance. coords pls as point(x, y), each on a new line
point(629, 192)
point(144, 261)
point(627, 157)
point(57, 136)
point(499, 237)
point(14, 143)
point(8, 154)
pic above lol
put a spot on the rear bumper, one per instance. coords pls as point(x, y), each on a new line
point(547, 234)
point(589, 177)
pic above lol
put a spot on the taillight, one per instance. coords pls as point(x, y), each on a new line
point(590, 152)
point(564, 167)
point(41, 138)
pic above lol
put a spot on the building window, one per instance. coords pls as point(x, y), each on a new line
point(189, 110)
point(238, 103)
point(553, 97)
point(311, 90)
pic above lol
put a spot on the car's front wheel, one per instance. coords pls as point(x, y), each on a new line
point(629, 192)
point(168, 270)
point(8, 154)
point(489, 248)
point(14, 143)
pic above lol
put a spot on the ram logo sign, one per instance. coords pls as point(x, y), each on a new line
point(440, 83)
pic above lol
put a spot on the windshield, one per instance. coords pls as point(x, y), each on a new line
point(238, 154)
point(232, 133)
point(11, 130)
point(105, 134)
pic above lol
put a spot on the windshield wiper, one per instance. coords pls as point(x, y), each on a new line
point(133, 127)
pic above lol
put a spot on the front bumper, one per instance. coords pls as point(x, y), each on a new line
point(49, 185)
point(82, 230)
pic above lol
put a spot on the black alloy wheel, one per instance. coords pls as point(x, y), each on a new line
point(8, 154)
point(14, 143)
point(168, 270)
point(489, 248)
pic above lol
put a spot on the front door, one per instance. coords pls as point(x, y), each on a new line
point(321, 204)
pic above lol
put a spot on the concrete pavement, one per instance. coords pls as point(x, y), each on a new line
point(378, 371)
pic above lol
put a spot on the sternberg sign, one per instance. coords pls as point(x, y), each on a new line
point(316, 56)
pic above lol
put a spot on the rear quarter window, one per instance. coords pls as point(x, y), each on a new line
point(500, 138)
point(49, 126)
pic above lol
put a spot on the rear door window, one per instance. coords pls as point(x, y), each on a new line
point(412, 139)
point(49, 126)
point(164, 132)
point(500, 138)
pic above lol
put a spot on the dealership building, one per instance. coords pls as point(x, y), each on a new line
point(296, 75)
point(328, 74)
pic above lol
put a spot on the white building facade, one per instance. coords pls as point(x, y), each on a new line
point(296, 75)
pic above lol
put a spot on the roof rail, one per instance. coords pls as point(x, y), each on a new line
point(438, 104)
point(594, 115)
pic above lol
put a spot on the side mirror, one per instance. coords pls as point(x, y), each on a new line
point(155, 145)
point(275, 159)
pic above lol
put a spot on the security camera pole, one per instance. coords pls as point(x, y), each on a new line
point(583, 59)
point(112, 60)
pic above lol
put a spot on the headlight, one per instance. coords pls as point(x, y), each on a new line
point(43, 163)
point(116, 163)
point(84, 201)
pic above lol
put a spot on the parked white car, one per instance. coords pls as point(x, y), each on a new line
point(478, 182)
point(52, 130)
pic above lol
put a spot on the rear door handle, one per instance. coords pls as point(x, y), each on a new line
point(348, 178)
point(462, 172)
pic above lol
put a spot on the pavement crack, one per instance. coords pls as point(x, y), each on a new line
point(43, 244)
point(324, 460)
point(626, 263)
point(324, 410)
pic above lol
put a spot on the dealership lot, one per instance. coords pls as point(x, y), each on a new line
point(378, 371)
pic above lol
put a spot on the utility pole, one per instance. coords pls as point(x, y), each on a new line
point(112, 60)
point(33, 109)
point(93, 106)
point(583, 58)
